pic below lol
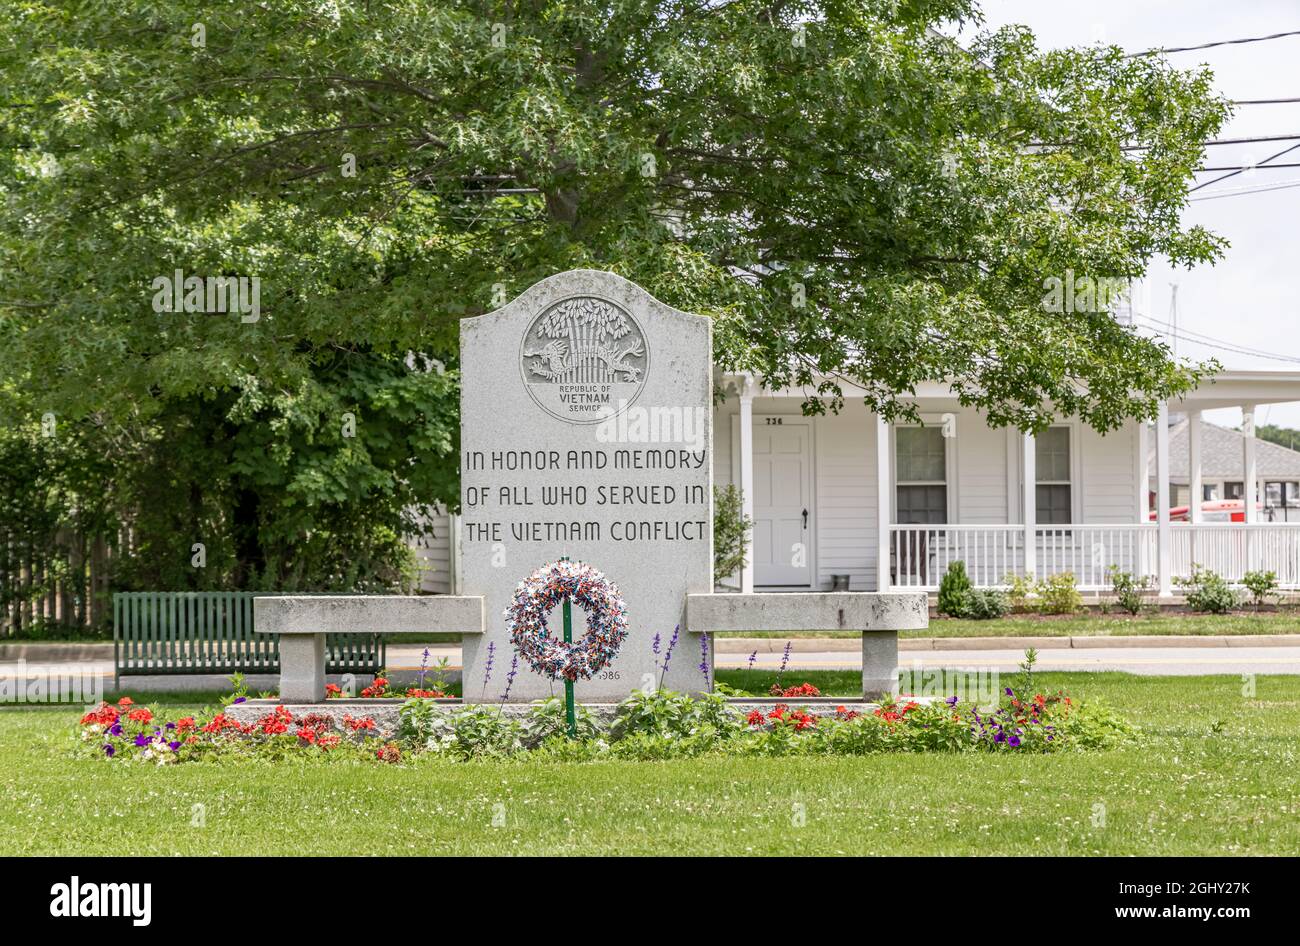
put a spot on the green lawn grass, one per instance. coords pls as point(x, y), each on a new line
point(1219, 773)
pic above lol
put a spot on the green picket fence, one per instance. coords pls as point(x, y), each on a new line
point(174, 632)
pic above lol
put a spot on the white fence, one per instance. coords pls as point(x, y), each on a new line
point(920, 554)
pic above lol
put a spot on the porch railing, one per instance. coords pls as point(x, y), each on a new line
point(920, 554)
point(1232, 549)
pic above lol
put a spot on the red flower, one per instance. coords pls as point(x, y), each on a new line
point(126, 701)
point(140, 716)
point(185, 724)
point(755, 718)
point(328, 741)
point(358, 724)
point(389, 752)
point(105, 715)
point(332, 689)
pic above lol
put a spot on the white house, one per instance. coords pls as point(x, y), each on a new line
point(819, 488)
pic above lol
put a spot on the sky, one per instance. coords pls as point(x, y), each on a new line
point(1249, 297)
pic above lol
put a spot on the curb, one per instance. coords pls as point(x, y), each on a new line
point(56, 652)
point(845, 645)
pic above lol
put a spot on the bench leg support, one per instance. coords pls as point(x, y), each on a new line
point(302, 668)
point(879, 664)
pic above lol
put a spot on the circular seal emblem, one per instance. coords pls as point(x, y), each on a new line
point(584, 359)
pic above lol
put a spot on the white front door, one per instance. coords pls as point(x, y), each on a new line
point(783, 506)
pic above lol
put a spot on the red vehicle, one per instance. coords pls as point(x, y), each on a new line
point(1216, 510)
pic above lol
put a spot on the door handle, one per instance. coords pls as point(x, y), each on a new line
point(805, 518)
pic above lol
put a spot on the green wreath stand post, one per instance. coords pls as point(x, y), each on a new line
point(570, 715)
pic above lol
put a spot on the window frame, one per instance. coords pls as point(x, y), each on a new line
point(929, 421)
point(1072, 465)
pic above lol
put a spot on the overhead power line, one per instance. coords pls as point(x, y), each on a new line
point(1221, 42)
point(1265, 101)
point(1248, 167)
point(1248, 190)
point(1234, 173)
point(1209, 341)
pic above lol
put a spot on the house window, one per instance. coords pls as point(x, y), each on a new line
point(1233, 490)
point(1209, 492)
point(1285, 493)
point(921, 472)
point(1052, 465)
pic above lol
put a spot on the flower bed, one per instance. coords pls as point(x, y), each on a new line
point(646, 725)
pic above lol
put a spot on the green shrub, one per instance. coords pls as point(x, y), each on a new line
point(1130, 592)
point(1019, 588)
point(1261, 585)
point(730, 532)
point(954, 589)
point(1208, 592)
point(985, 604)
point(1058, 594)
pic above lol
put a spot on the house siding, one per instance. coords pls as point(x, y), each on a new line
point(1109, 474)
point(433, 554)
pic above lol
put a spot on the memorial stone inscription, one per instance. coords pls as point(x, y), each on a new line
point(586, 431)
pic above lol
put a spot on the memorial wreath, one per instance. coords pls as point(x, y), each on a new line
point(590, 590)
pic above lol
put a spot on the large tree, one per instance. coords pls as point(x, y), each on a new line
point(854, 197)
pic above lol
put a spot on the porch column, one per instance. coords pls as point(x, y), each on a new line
point(1143, 489)
point(1029, 481)
point(884, 504)
point(747, 478)
point(1194, 479)
point(1164, 535)
point(1250, 488)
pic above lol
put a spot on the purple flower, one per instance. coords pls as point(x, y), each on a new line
point(785, 661)
point(1008, 691)
point(1013, 741)
point(171, 725)
point(952, 700)
point(173, 745)
point(752, 658)
point(668, 654)
point(115, 729)
point(424, 666)
point(654, 645)
point(109, 750)
point(704, 659)
point(491, 659)
point(510, 677)
point(241, 699)
point(142, 740)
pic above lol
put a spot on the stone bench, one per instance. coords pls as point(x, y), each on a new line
point(879, 616)
point(303, 621)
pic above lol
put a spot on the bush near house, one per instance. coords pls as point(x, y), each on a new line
point(730, 531)
point(1059, 594)
point(1207, 591)
point(954, 588)
point(959, 598)
point(1261, 585)
point(1130, 592)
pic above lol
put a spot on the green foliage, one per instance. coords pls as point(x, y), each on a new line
point(1019, 589)
point(1130, 592)
point(954, 588)
point(1058, 594)
point(959, 598)
point(663, 713)
point(1207, 591)
point(1261, 585)
point(985, 604)
point(731, 532)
